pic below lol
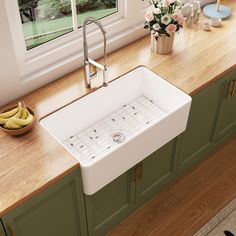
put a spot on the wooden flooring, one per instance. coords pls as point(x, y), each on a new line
point(188, 203)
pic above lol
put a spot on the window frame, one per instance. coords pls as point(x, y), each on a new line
point(67, 51)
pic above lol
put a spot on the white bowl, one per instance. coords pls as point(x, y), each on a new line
point(206, 26)
point(216, 21)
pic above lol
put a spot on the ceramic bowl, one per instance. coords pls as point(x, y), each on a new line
point(24, 129)
point(206, 26)
point(215, 21)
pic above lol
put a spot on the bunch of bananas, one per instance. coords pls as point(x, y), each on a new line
point(16, 118)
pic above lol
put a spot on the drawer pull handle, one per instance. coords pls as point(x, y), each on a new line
point(231, 86)
point(139, 172)
point(234, 88)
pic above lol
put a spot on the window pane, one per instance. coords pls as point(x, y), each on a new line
point(44, 20)
point(96, 8)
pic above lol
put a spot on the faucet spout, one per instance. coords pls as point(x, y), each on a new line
point(87, 60)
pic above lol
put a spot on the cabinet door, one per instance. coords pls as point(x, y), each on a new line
point(110, 205)
point(227, 117)
point(154, 172)
point(57, 211)
point(2, 232)
point(197, 140)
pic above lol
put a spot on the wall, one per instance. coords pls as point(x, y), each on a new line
point(9, 79)
point(13, 87)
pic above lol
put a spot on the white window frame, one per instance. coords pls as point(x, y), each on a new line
point(65, 53)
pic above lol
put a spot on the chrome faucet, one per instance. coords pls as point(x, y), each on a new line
point(87, 61)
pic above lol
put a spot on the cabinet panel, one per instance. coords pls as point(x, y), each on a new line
point(2, 232)
point(157, 170)
point(59, 211)
point(110, 205)
point(227, 116)
point(197, 140)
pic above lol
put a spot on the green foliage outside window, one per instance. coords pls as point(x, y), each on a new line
point(58, 8)
point(44, 20)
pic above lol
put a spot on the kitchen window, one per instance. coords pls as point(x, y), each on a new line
point(47, 38)
point(45, 20)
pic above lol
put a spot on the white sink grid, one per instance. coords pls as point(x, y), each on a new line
point(115, 127)
point(129, 121)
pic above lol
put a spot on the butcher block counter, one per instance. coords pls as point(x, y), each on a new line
point(32, 162)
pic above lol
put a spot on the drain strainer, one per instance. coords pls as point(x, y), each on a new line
point(118, 137)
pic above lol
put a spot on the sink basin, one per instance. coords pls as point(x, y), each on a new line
point(115, 127)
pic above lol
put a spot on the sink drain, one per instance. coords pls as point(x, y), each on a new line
point(118, 137)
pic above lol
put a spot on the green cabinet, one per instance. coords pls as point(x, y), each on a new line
point(212, 118)
point(197, 140)
point(57, 211)
point(155, 172)
point(110, 205)
point(114, 202)
point(227, 116)
point(2, 232)
point(64, 210)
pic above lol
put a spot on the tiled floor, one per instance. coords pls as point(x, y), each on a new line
point(229, 223)
point(225, 220)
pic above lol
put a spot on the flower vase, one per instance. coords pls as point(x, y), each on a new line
point(162, 44)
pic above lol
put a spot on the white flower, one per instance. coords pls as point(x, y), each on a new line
point(166, 19)
point(156, 27)
point(179, 2)
point(156, 11)
point(159, 4)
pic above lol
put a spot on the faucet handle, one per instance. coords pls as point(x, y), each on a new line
point(88, 71)
point(94, 71)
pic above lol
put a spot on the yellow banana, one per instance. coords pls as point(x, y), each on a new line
point(3, 121)
point(10, 113)
point(25, 113)
point(11, 125)
point(16, 118)
point(17, 114)
point(22, 122)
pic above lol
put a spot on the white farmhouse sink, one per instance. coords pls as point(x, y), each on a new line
point(115, 127)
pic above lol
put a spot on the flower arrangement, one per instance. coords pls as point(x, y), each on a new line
point(164, 17)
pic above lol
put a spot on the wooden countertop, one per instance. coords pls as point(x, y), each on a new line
point(34, 161)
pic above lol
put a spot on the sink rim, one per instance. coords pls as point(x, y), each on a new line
point(101, 86)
